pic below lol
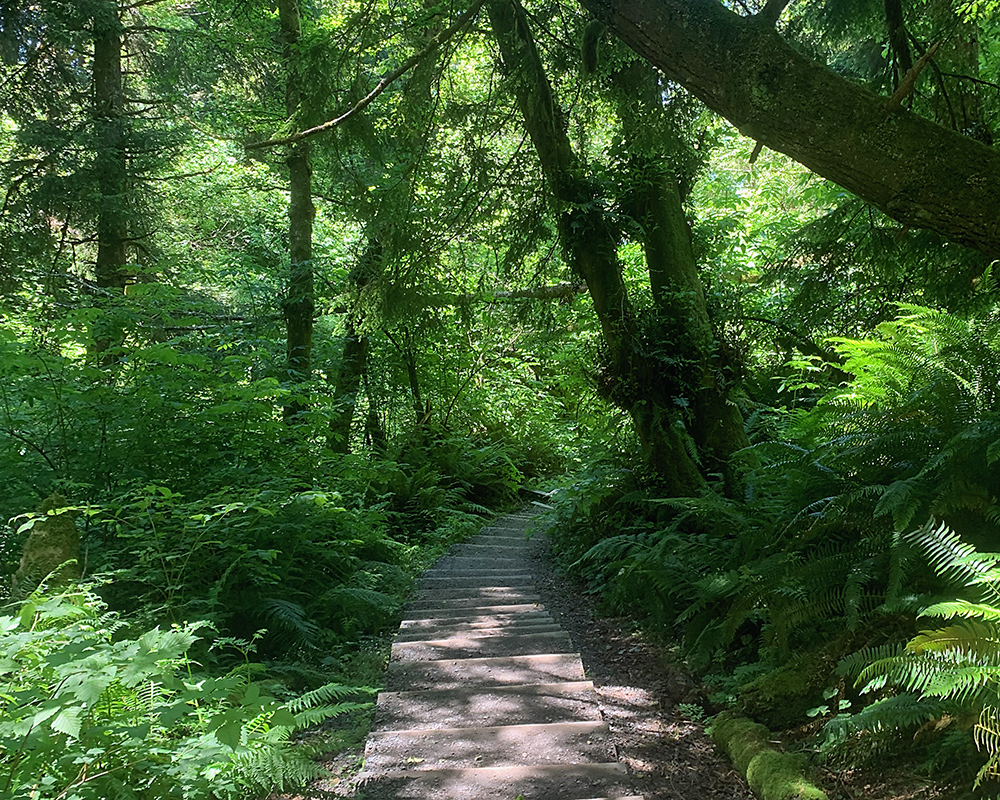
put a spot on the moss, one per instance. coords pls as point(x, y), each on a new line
point(52, 551)
point(772, 775)
point(782, 697)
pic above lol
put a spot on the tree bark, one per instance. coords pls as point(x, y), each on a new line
point(590, 246)
point(111, 178)
point(299, 304)
point(110, 165)
point(346, 389)
point(916, 171)
point(713, 420)
point(896, 27)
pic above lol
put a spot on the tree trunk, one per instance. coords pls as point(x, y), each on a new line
point(375, 435)
point(713, 420)
point(914, 170)
point(899, 44)
point(346, 388)
point(299, 304)
point(111, 170)
point(590, 246)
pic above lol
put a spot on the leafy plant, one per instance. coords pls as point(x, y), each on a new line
point(90, 712)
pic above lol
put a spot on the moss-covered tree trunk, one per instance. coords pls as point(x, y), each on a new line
point(299, 303)
point(713, 420)
point(354, 356)
point(590, 246)
point(346, 388)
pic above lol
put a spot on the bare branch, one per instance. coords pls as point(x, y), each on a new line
point(909, 80)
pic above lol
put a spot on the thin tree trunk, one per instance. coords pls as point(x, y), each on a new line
point(110, 168)
point(299, 304)
point(346, 389)
point(902, 60)
point(375, 436)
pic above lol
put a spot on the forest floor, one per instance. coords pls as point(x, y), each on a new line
point(651, 704)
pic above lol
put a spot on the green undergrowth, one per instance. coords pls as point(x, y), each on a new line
point(260, 609)
point(93, 708)
point(801, 601)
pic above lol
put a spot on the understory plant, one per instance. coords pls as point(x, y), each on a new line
point(769, 592)
point(91, 711)
point(944, 677)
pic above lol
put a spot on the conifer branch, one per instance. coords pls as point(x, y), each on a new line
point(384, 82)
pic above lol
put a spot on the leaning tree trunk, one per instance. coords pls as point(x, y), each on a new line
point(914, 170)
point(299, 303)
point(590, 246)
point(110, 168)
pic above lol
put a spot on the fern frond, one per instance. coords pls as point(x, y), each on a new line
point(325, 694)
point(969, 638)
point(290, 617)
point(987, 737)
point(899, 712)
point(314, 716)
point(954, 559)
point(962, 608)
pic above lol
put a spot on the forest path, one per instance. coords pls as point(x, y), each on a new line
point(486, 697)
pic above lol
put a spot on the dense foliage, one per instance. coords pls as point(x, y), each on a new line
point(253, 382)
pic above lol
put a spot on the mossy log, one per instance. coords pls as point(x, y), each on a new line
point(772, 774)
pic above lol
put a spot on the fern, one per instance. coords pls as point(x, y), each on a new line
point(957, 664)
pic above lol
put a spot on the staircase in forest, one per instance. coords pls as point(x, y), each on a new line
point(486, 700)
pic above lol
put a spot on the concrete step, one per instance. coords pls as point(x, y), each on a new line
point(477, 620)
point(551, 782)
point(470, 672)
point(439, 634)
point(435, 600)
point(457, 582)
point(451, 627)
point(474, 547)
point(498, 540)
point(503, 746)
point(472, 611)
point(456, 592)
point(500, 575)
point(460, 563)
point(473, 587)
point(483, 706)
point(515, 644)
point(502, 553)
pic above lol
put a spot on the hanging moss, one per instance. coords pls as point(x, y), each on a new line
point(772, 775)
